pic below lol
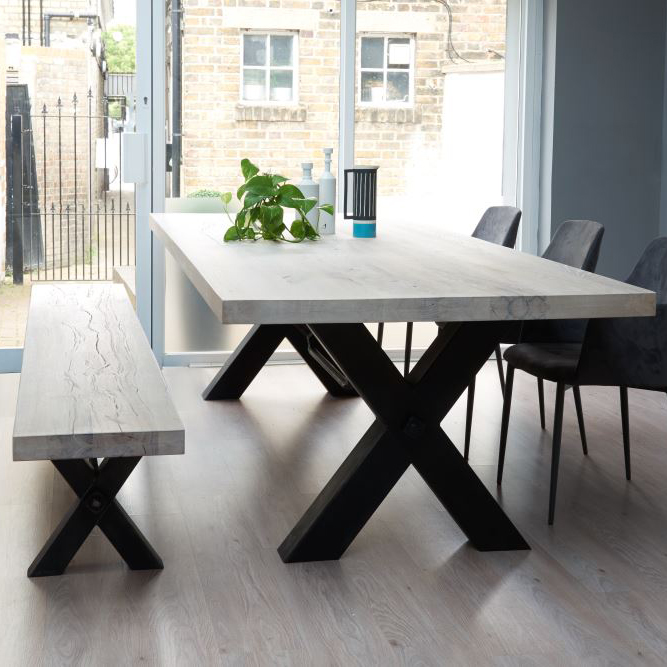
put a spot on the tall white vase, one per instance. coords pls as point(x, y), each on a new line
point(327, 195)
point(310, 189)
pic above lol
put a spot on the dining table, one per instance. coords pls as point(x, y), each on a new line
point(321, 295)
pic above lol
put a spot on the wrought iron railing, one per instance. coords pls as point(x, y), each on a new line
point(69, 215)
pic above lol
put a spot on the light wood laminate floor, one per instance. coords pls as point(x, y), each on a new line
point(409, 591)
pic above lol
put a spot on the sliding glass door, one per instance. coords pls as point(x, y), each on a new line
point(429, 111)
point(68, 100)
point(431, 92)
point(253, 82)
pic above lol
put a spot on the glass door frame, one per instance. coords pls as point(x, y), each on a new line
point(521, 154)
point(149, 193)
point(151, 114)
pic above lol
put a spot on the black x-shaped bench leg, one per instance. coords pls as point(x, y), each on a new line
point(406, 432)
point(256, 348)
point(96, 487)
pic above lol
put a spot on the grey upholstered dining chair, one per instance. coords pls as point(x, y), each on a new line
point(577, 244)
point(500, 225)
point(622, 352)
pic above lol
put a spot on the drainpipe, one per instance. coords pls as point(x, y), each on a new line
point(64, 15)
point(176, 140)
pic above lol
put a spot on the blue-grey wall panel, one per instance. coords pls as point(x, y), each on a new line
point(608, 122)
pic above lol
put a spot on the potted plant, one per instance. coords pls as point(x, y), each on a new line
point(264, 198)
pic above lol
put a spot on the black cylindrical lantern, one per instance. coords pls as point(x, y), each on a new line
point(362, 206)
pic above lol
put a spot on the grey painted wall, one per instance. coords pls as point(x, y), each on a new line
point(663, 198)
point(608, 122)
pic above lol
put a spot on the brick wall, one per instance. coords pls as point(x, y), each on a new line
point(63, 156)
point(219, 130)
point(53, 73)
point(13, 19)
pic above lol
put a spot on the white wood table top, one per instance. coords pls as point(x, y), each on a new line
point(90, 386)
point(398, 277)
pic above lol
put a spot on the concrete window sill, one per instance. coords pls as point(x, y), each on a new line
point(388, 115)
point(269, 112)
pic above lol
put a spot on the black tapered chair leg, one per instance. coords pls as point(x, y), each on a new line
point(469, 408)
point(555, 451)
point(580, 418)
point(501, 374)
point(625, 421)
point(380, 335)
point(540, 396)
point(408, 349)
point(507, 406)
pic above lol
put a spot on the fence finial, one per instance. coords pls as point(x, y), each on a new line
point(90, 91)
point(74, 101)
point(60, 103)
point(44, 109)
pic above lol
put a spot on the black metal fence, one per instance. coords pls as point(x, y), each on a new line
point(68, 215)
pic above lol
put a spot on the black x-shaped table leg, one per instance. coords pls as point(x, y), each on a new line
point(255, 350)
point(96, 488)
point(406, 432)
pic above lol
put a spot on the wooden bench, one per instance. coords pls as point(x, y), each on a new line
point(127, 277)
point(91, 389)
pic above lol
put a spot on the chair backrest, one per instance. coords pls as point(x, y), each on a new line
point(632, 351)
point(500, 225)
point(651, 269)
point(576, 243)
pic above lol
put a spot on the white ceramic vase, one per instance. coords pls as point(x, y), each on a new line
point(327, 222)
point(310, 189)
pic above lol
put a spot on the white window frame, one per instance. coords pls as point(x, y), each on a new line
point(522, 163)
point(385, 68)
point(267, 68)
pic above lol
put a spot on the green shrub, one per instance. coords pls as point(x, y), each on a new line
point(205, 193)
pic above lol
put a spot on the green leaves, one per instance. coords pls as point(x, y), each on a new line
point(248, 169)
point(232, 234)
point(261, 185)
point(289, 195)
point(298, 230)
point(265, 197)
point(307, 205)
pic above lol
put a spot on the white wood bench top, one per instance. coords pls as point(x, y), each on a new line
point(407, 274)
point(127, 276)
point(90, 386)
